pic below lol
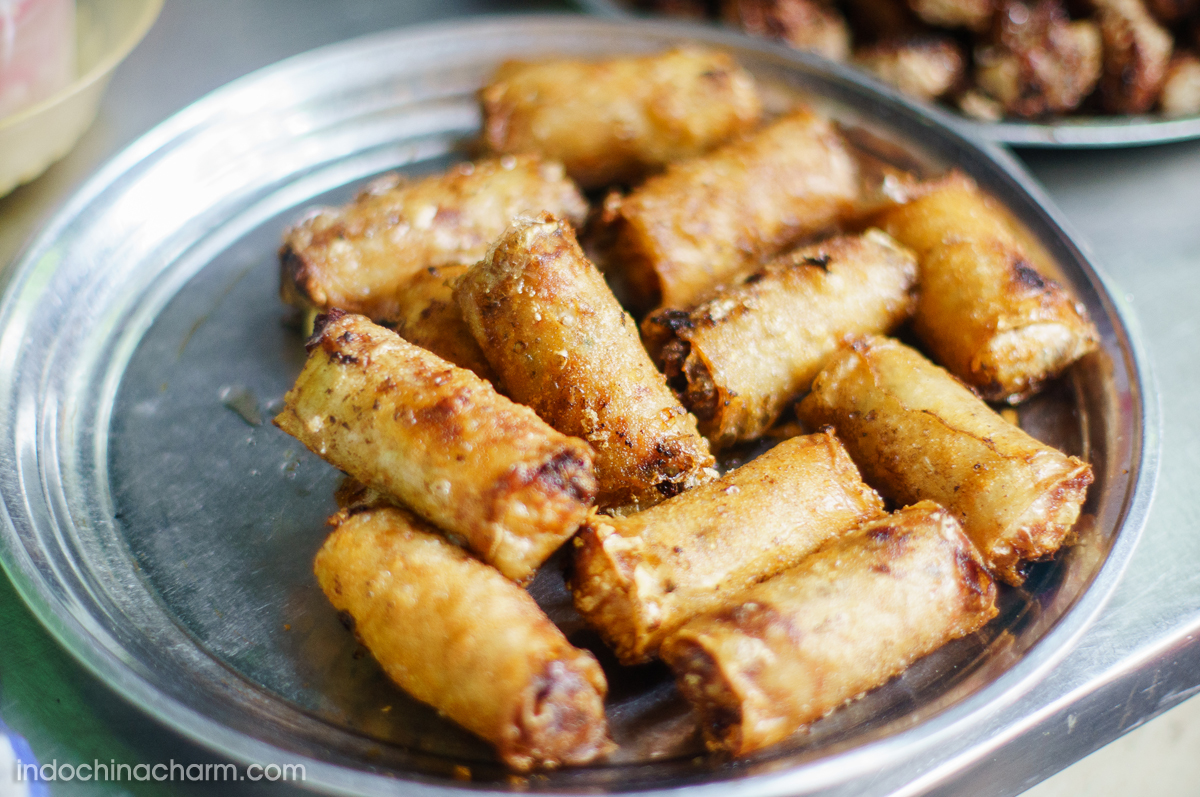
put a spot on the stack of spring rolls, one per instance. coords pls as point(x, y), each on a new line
point(474, 373)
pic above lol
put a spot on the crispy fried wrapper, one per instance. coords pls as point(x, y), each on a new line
point(636, 579)
point(409, 424)
point(917, 433)
point(739, 359)
point(616, 120)
point(811, 25)
point(985, 311)
point(920, 66)
point(552, 330)
point(846, 620)
point(1037, 61)
point(1137, 53)
point(974, 15)
point(454, 633)
point(707, 221)
point(428, 316)
point(358, 257)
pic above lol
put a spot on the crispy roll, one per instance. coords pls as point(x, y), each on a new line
point(925, 66)
point(637, 579)
point(984, 311)
point(429, 317)
point(803, 24)
point(1172, 12)
point(1137, 52)
point(455, 634)
point(709, 220)
point(917, 433)
point(613, 121)
point(1038, 61)
point(846, 620)
point(1181, 90)
point(739, 359)
point(358, 257)
point(974, 15)
point(561, 344)
point(409, 424)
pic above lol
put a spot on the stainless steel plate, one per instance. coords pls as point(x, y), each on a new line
point(164, 533)
point(1063, 131)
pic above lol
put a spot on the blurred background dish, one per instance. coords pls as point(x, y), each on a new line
point(1020, 72)
point(37, 135)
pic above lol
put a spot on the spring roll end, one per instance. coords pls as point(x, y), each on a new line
point(296, 287)
point(556, 722)
point(556, 495)
point(611, 591)
point(1016, 364)
point(1043, 528)
point(710, 692)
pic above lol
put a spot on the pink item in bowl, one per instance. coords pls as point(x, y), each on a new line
point(37, 51)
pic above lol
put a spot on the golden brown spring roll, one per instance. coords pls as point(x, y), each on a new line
point(709, 220)
point(616, 120)
point(409, 424)
point(984, 311)
point(561, 343)
point(918, 433)
point(455, 634)
point(850, 617)
point(358, 257)
point(429, 317)
point(739, 359)
point(636, 579)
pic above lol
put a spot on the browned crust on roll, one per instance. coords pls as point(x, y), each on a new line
point(738, 360)
point(710, 220)
point(917, 433)
point(985, 311)
point(457, 635)
point(803, 24)
point(1137, 51)
point(437, 437)
point(922, 66)
point(561, 344)
point(358, 257)
point(638, 578)
point(974, 15)
point(616, 120)
point(1037, 61)
point(846, 620)
point(427, 316)
point(1181, 89)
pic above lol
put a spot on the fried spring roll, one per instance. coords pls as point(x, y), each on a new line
point(409, 424)
point(918, 433)
point(616, 120)
point(803, 24)
point(984, 311)
point(846, 620)
point(428, 316)
point(739, 359)
point(925, 66)
point(561, 344)
point(709, 220)
point(358, 257)
point(637, 579)
point(455, 634)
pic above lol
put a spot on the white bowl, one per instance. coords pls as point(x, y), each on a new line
point(32, 139)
